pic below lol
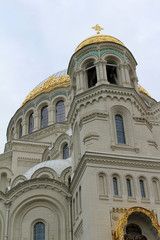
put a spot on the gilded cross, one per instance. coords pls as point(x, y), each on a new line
point(97, 28)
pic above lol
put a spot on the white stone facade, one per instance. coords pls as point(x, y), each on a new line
point(105, 189)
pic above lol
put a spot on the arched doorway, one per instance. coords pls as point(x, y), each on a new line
point(137, 224)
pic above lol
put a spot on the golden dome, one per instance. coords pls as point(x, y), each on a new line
point(60, 79)
point(97, 39)
point(141, 89)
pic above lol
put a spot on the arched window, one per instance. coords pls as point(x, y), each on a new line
point(65, 151)
point(30, 123)
point(60, 111)
point(39, 231)
point(20, 130)
point(44, 117)
point(80, 199)
point(142, 188)
point(111, 69)
point(120, 129)
point(129, 190)
point(92, 76)
point(102, 184)
point(155, 183)
point(115, 186)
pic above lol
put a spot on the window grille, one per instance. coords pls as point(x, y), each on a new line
point(60, 111)
point(44, 117)
point(120, 129)
point(39, 231)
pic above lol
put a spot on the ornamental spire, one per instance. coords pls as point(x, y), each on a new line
point(97, 28)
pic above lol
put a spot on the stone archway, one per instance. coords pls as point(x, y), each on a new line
point(119, 232)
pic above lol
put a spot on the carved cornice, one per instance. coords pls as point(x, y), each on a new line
point(38, 183)
point(6, 155)
point(44, 132)
point(143, 121)
point(106, 91)
point(93, 115)
point(114, 159)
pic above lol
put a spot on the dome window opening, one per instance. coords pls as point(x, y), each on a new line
point(20, 130)
point(60, 111)
point(39, 231)
point(112, 73)
point(30, 123)
point(44, 117)
point(65, 151)
point(92, 76)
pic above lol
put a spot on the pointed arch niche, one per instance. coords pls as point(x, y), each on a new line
point(142, 217)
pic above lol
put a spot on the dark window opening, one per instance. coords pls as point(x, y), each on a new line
point(44, 117)
point(92, 76)
point(120, 129)
point(69, 181)
point(20, 130)
point(39, 231)
point(129, 190)
point(60, 111)
point(115, 186)
point(65, 151)
point(31, 123)
point(142, 189)
point(112, 73)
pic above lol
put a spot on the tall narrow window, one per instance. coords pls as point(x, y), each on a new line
point(129, 190)
point(74, 214)
point(112, 73)
point(30, 123)
point(65, 151)
point(77, 205)
point(155, 189)
point(143, 195)
point(115, 186)
point(44, 117)
point(20, 130)
point(120, 129)
point(39, 231)
point(102, 184)
point(92, 76)
point(80, 199)
point(60, 111)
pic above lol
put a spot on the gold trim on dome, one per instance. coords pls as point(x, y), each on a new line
point(141, 89)
point(98, 39)
point(119, 232)
point(50, 84)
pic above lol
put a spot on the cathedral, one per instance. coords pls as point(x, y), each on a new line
point(82, 158)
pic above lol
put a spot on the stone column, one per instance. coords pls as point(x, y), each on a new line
point(7, 205)
point(127, 77)
point(50, 114)
point(135, 82)
point(67, 107)
point(101, 72)
point(80, 86)
point(24, 127)
point(122, 72)
point(36, 120)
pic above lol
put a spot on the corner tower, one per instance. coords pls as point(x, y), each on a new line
point(102, 72)
point(112, 136)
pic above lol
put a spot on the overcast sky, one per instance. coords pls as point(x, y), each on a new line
point(38, 38)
